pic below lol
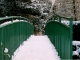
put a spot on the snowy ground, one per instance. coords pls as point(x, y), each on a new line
point(36, 48)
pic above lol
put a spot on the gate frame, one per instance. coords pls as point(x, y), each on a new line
point(11, 19)
point(59, 19)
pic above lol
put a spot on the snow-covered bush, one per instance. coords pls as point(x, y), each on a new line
point(76, 50)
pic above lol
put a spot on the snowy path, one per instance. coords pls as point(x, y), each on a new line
point(36, 48)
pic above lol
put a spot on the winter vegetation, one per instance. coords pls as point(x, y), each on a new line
point(39, 11)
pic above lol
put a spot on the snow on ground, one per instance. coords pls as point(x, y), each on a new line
point(36, 48)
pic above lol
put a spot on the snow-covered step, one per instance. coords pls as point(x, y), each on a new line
point(36, 48)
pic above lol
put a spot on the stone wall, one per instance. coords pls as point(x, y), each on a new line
point(66, 8)
point(77, 6)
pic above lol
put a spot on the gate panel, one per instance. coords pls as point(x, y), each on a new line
point(14, 34)
point(59, 35)
point(25, 31)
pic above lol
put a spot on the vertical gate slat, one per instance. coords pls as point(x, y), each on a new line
point(1, 45)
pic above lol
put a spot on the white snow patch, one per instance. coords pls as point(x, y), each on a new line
point(36, 48)
point(75, 53)
point(6, 50)
point(66, 22)
point(76, 42)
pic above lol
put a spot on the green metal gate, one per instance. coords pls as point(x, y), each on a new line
point(12, 35)
point(60, 36)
